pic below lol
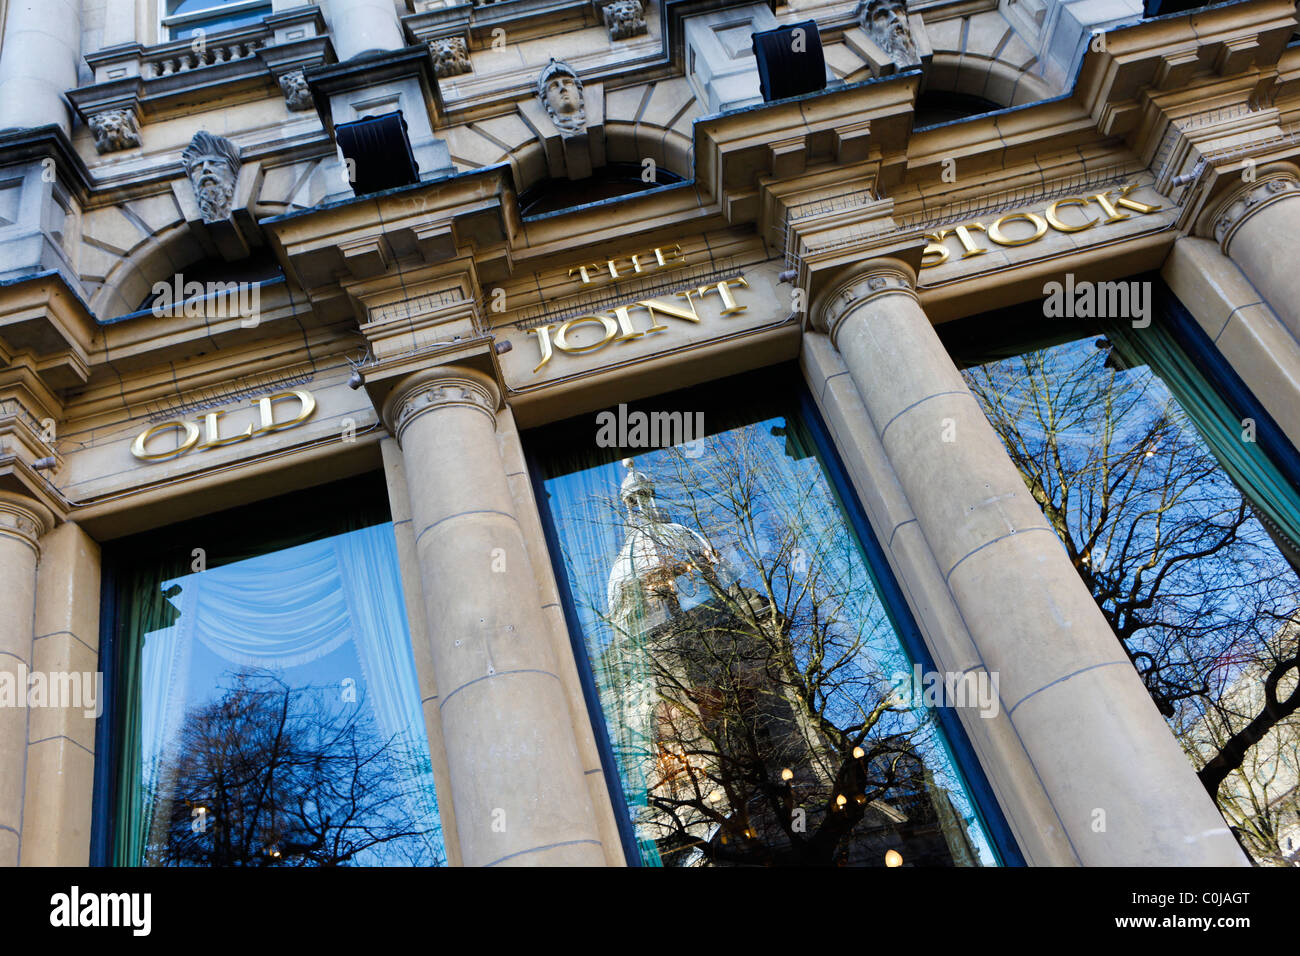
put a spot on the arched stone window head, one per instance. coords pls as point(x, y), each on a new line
point(560, 91)
point(212, 164)
point(886, 22)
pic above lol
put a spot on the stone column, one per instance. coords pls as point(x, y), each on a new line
point(22, 522)
point(42, 44)
point(61, 740)
point(516, 779)
point(364, 26)
point(1257, 225)
point(1246, 331)
point(1122, 789)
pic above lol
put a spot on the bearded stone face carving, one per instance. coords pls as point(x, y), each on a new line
point(560, 91)
point(297, 96)
point(886, 23)
point(212, 163)
point(114, 130)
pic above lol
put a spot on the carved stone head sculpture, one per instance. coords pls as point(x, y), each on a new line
point(115, 129)
point(560, 91)
point(212, 163)
point(886, 22)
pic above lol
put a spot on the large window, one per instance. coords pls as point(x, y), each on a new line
point(266, 710)
point(748, 655)
point(1160, 484)
point(187, 18)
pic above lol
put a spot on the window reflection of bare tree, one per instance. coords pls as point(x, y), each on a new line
point(746, 674)
point(272, 775)
point(1197, 590)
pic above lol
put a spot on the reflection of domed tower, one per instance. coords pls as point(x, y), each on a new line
point(715, 742)
point(643, 585)
point(659, 560)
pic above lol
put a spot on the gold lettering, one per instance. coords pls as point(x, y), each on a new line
point(1133, 204)
point(544, 343)
point(583, 273)
point(670, 256)
point(625, 325)
point(139, 447)
point(1112, 214)
point(267, 411)
point(669, 308)
point(1058, 224)
point(935, 248)
point(997, 235)
point(562, 333)
point(967, 243)
point(729, 306)
point(612, 264)
point(213, 439)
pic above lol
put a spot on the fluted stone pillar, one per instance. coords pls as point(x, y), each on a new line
point(42, 44)
point(1257, 225)
point(1122, 789)
point(364, 26)
point(22, 522)
point(512, 754)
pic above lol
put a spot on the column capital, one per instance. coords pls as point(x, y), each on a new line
point(1271, 183)
point(858, 285)
point(442, 387)
point(24, 518)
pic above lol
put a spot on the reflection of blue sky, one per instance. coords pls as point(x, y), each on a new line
point(328, 615)
point(793, 506)
point(1056, 397)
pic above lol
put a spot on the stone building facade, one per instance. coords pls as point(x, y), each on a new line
point(422, 273)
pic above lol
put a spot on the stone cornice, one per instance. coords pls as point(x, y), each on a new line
point(735, 151)
point(449, 386)
point(1167, 52)
point(47, 142)
point(43, 317)
point(365, 237)
point(862, 284)
point(412, 61)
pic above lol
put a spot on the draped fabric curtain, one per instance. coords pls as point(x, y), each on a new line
point(1220, 424)
point(275, 611)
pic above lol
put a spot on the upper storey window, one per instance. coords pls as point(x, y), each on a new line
point(185, 18)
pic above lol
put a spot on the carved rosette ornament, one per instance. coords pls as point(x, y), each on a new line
point(624, 19)
point(1246, 202)
point(115, 130)
point(450, 56)
point(24, 519)
point(437, 389)
point(877, 278)
point(885, 21)
point(212, 164)
point(296, 94)
point(560, 91)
